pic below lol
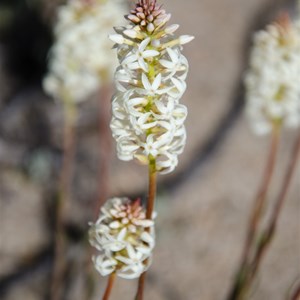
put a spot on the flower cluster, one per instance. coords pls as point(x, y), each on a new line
point(148, 120)
point(81, 59)
point(124, 237)
point(273, 81)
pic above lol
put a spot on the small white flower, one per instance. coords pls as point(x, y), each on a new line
point(124, 238)
point(152, 89)
point(104, 265)
point(137, 59)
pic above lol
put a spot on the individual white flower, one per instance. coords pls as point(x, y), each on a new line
point(136, 59)
point(147, 118)
point(272, 82)
point(124, 238)
point(81, 60)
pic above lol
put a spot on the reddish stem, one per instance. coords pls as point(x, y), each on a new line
point(105, 145)
point(238, 288)
point(261, 195)
point(270, 230)
point(109, 286)
point(63, 200)
point(149, 212)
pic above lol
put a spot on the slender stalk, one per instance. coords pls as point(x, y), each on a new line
point(270, 230)
point(262, 194)
point(105, 145)
point(63, 199)
point(150, 208)
point(238, 290)
point(109, 286)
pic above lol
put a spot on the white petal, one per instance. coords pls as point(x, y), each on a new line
point(180, 85)
point(124, 259)
point(150, 53)
point(146, 82)
point(144, 250)
point(130, 251)
point(134, 66)
point(114, 225)
point(173, 55)
point(144, 223)
point(146, 237)
point(131, 33)
point(117, 38)
point(144, 44)
point(129, 59)
point(114, 246)
point(131, 275)
point(157, 81)
point(108, 263)
point(143, 64)
point(167, 64)
point(184, 39)
point(172, 28)
point(122, 234)
point(136, 101)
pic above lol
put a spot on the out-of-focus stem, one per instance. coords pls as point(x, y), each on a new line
point(149, 212)
point(270, 229)
point(105, 145)
point(238, 290)
point(262, 194)
point(105, 150)
point(109, 286)
point(63, 199)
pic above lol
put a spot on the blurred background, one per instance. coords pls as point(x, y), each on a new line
point(203, 207)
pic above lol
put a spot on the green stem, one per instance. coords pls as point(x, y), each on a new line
point(149, 212)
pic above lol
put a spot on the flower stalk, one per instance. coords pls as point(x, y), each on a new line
point(64, 197)
point(109, 286)
point(241, 282)
point(269, 232)
point(149, 214)
point(249, 270)
point(260, 200)
point(105, 145)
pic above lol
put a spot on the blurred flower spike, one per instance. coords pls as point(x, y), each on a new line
point(81, 60)
point(273, 80)
point(148, 120)
point(124, 237)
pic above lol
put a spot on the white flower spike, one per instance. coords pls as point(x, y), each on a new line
point(81, 58)
point(124, 238)
point(273, 80)
point(147, 118)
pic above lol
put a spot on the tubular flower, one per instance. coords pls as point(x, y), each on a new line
point(124, 237)
point(272, 82)
point(148, 120)
point(81, 59)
